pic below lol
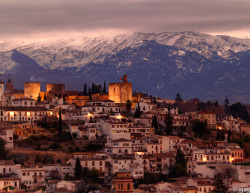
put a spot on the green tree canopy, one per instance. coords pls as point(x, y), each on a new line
point(168, 122)
point(239, 110)
point(180, 167)
point(200, 128)
point(219, 185)
point(178, 98)
point(128, 105)
point(3, 151)
point(155, 123)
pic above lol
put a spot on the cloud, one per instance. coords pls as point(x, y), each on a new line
point(27, 18)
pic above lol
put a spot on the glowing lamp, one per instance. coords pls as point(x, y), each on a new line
point(11, 114)
point(119, 117)
point(28, 114)
point(204, 159)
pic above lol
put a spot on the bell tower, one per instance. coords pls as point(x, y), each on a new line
point(124, 181)
point(9, 86)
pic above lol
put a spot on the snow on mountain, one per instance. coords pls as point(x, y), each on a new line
point(77, 52)
point(195, 64)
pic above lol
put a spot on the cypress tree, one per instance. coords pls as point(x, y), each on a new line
point(59, 128)
point(226, 106)
point(3, 152)
point(154, 123)
point(104, 87)
point(39, 98)
point(180, 167)
point(229, 136)
point(137, 111)
point(78, 170)
point(85, 89)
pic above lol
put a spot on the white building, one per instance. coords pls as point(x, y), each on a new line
point(118, 146)
point(115, 130)
point(7, 167)
point(7, 135)
point(31, 177)
point(17, 113)
point(6, 183)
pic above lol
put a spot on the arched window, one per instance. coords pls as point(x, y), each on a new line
point(128, 186)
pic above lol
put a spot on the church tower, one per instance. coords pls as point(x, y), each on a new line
point(9, 86)
point(124, 181)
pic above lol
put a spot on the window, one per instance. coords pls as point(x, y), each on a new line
point(24, 174)
point(128, 186)
point(93, 163)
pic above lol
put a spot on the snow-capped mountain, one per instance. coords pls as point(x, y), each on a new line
point(193, 64)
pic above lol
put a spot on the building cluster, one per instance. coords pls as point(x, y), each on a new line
point(132, 148)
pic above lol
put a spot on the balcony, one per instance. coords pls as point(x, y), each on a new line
point(37, 176)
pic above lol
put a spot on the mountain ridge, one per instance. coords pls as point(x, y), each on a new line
point(192, 63)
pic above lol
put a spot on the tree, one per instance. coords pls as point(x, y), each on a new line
point(180, 167)
point(226, 106)
point(3, 151)
point(45, 97)
point(168, 122)
point(55, 146)
point(216, 104)
point(78, 170)
point(96, 88)
point(219, 185)
point(86, 174)
point(104, 87)
point(178, 98)
point(154, 100)
point(239, 110)
point(200, 128)
point(85, 89)
point(128, 105)
point(38, 158)
point(220, 135)
point(155, 123)
point(229, 136)
point(59, 128)
point(39, 98)
point(90, 94)
point(137, 111)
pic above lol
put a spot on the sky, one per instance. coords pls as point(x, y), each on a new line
point(54, 19)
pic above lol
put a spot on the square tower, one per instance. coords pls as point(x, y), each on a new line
point(32, 90)
point(120, 92)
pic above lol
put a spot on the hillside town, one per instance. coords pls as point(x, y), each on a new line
point(110, 138)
